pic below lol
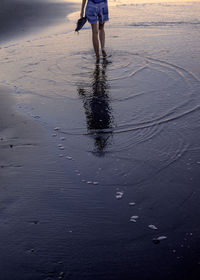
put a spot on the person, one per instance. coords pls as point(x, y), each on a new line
point(97, 14)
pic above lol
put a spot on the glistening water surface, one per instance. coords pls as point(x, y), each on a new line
point(117, 196)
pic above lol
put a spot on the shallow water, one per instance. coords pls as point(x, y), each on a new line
point(123, 142)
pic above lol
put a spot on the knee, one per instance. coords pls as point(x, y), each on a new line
point(101, 26)
point(95, 32)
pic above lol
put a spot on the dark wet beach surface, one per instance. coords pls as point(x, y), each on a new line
point(112, 190)
point(23, 17)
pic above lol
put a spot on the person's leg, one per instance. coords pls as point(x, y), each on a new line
point(95, 39)
point(102, 38)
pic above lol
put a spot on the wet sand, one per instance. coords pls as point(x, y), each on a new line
point(19, 136)
point(104, 183)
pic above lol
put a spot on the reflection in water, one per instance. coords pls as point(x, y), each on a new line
point(96, 102)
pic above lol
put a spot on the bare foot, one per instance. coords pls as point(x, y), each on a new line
point(104, 53)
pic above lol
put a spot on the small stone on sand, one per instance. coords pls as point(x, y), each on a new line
point(119, 195)
point(131, 203)
point(133, 218)
point(152, 227)
point(158, 239)
point(60, 146)
point(69, 158)
point(36, 117)
point(162, 237)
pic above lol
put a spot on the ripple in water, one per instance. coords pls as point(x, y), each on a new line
point(137, 92)
point(127, 94)
point(133, 98)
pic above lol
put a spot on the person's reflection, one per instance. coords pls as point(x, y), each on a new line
point(96, 103)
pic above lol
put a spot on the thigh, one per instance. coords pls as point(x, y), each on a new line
point(94, 28)
point(101, 25)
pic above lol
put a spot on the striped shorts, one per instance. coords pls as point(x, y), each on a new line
point(97, 12)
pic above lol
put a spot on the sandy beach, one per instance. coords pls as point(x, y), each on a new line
point(100, 161)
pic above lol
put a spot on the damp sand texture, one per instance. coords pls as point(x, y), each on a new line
point(109, 188)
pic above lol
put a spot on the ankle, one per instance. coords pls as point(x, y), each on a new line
point(104, 52)
point(97, 59)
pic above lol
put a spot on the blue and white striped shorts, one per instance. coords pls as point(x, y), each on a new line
point(97, 12)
